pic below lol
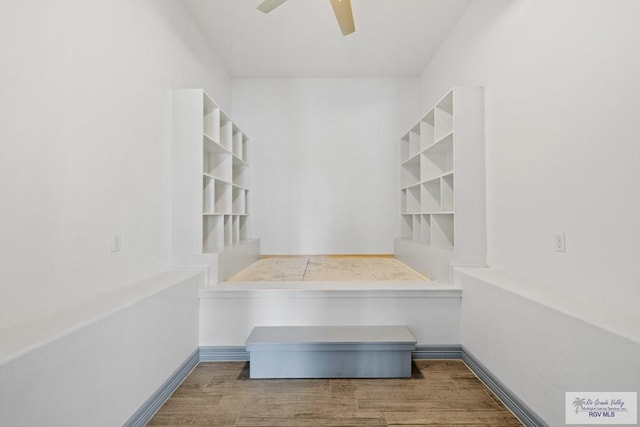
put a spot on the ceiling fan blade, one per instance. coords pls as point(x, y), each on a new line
point(268, 5)
point(344, 15)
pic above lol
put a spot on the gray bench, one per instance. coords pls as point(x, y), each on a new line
point(330, 352)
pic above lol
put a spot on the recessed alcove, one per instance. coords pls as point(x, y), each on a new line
point(329, 290)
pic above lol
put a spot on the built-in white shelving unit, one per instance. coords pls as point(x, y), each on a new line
point(211, 187)
point(442, 194)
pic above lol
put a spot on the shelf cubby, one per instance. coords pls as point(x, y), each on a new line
point(410, 171)
point(431, 196)
point(245, 148)
point(228, 230)
point(444, 123)
point(414, 140)
point(238, 200)
point(447, 193)
point(413, 199)
point(446, 103)
point(442, 229)
point(208, 195)
point(237, 142)
point(211, 120)
point(209, 145)
point(443, 116)
point(235, 219)
point(416, 227)
point(244, 228)
point(406, 226)
point(212, 233)
point(426, 131)
point(240, 172)
point(403, 201)
point(437, 159)
point(222, 197)
point(404, 148)
point(216, 160)
point(226, 133)
point(425, 229)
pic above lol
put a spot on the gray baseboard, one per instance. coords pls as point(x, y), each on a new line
point(223, 354)
point(525, 414)
point(426, 352)
point(157, 399)
point(240, 354)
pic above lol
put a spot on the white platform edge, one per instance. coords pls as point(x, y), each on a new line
point(331, 290)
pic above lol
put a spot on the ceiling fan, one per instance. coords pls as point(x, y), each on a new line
point(342, 9)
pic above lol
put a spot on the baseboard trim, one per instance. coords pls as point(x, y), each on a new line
point(223, 354)
point(144, 414)
point(525, 414)
point(239, 353)
point(427, 352)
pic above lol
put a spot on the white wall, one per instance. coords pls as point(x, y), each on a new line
point(542, 350)
point(562, 147)
point(85, 108)
point(104, 359)
point(562, 139)
point(323, 175)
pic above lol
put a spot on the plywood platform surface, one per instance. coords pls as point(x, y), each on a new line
point(328, 269)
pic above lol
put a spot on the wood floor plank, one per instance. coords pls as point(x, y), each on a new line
point(258, 401)
point(215, 419)
point(451, 418)
point(191, 404)
point(475, 395)
point(468, 383)
point(341, 419)
point(339, 404)
point(258, 421)
point(167, 419)
point(439, 393)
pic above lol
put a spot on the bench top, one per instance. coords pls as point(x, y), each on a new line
point(270, 335)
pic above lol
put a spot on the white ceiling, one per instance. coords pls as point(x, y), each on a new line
point(301, 38)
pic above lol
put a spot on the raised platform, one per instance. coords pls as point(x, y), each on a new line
point(330, 352)
point(230, 310)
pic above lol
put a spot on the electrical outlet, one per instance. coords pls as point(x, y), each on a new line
point(560, 242)
point(116, 243)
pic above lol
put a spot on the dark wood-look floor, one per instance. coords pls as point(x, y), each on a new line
point(440, 393)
